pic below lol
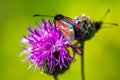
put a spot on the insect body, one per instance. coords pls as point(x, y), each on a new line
point(82, 28)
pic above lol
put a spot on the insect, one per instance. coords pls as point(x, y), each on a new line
point(81, 28)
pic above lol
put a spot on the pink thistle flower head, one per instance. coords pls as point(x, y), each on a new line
point(46, 48)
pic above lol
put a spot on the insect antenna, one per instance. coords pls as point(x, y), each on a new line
point(99, 23)
point(36, 15)
point(115, 24)
point(104, 16)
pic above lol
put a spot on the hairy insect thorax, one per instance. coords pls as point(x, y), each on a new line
point(87, 27)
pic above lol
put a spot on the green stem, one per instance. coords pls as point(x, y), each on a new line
point(82, 61)
point(55, 77)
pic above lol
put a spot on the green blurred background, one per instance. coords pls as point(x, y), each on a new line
point(102, 53)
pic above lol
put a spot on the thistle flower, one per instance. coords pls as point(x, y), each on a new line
point(46, 48)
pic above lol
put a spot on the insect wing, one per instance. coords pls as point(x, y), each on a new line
point(76, 25)
point(66, 28)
